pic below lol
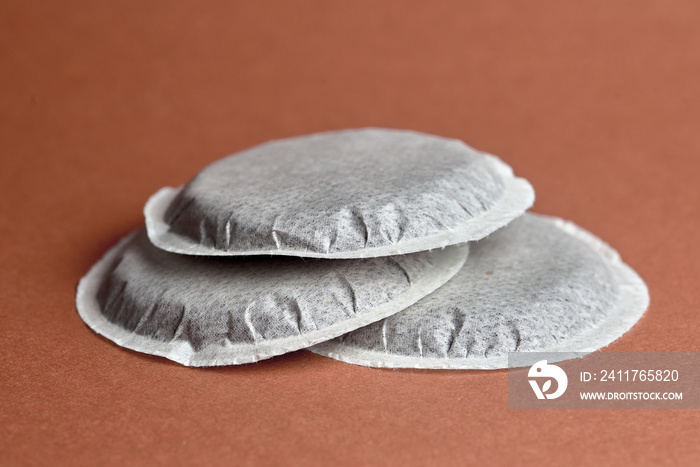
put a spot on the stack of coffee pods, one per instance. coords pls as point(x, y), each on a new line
point(377, 247)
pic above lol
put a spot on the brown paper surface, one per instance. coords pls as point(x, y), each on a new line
point(102, 103)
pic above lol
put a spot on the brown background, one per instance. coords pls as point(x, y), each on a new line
point(597, 103)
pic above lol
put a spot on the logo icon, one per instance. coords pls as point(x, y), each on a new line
point(542, 370)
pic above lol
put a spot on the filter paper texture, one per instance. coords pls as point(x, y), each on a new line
point(345, 194)
point(204, 311)
point(538, 285)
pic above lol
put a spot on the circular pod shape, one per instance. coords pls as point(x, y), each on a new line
point(540, 284)
point(203, 311)
point(344, 194)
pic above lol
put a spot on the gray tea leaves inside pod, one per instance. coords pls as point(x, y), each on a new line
point(540, 284)
point(344, 194)
point(204, 311)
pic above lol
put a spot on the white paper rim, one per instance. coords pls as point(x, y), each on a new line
point(447, 262)
point(632, 302)
point(518, 196)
